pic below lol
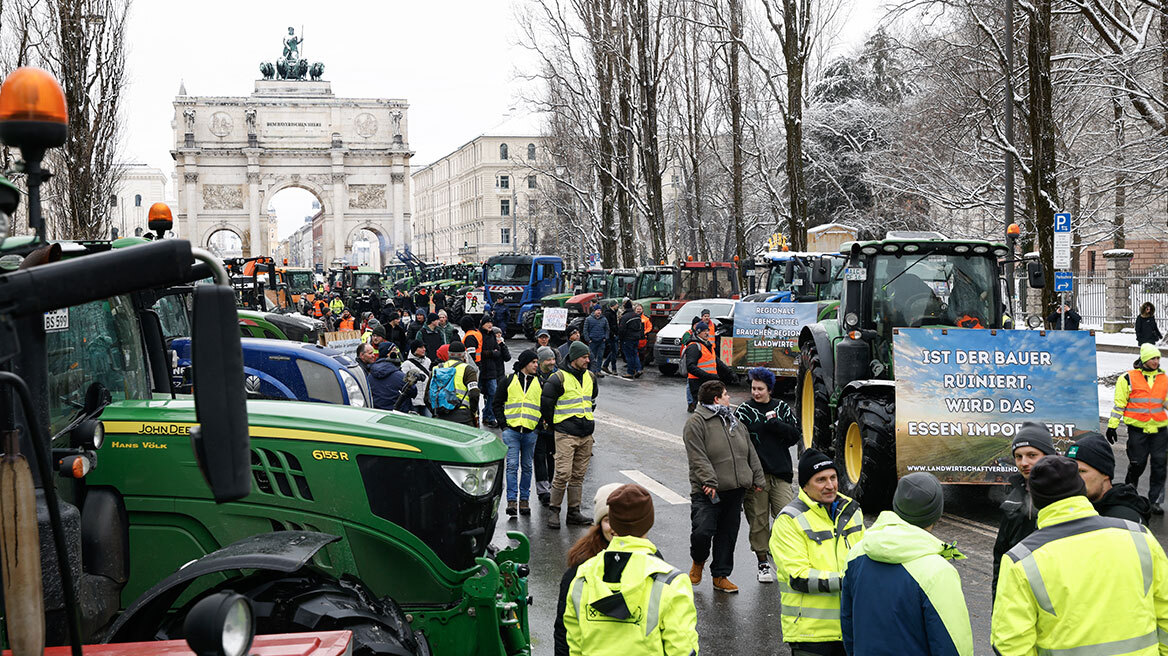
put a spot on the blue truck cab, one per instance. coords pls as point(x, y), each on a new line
point(515, 283)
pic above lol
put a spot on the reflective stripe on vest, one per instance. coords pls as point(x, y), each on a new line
point(814, 613)
point(707, 362)
point(1146, 404)
point(660, 580)
point(478, 347)
point(522, 406)
point(1113, 648)
point(576, 401)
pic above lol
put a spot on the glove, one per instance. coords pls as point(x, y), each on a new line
point(1112, 435)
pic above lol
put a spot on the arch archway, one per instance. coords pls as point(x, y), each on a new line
point(379, 244)
point(296, 220)
point(225, 241)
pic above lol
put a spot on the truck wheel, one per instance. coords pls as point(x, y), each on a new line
point(309, 602)
point(667, 369)
point(529, 325)
point(811, 401)
point(865, 450)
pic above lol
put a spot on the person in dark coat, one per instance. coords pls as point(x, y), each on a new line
point(631, 331)
point(545, 445)
point(1147, 332)
point(386, 380)
point(693, 355)
point(596, 337)
point(612, 346)
point(1019, 516)
point(1096, 467)
point(1055, 320)
point(432, 336)
point(439, 299)
point(394, 332)
point(416, 326)
point(490, 367)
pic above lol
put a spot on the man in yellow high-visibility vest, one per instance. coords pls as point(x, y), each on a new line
point(517, 407)
point(1140, 397)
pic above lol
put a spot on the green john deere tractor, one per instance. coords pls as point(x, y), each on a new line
point(845, 389)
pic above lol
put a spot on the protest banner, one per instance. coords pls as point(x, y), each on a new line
point(767, 335)
point(962, 395)
point(555, 319)
point(342, 340)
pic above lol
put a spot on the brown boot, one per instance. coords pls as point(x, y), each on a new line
point(553, 520)
point(511, 508)
point(574, 517)
point(723, 584)
point(695, 573)
point(524, 507)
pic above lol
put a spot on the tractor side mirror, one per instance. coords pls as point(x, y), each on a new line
point(221, 440)
point(788, 272)
point(1035, 276)
point(821, 271)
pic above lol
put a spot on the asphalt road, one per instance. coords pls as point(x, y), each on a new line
point(638, 439)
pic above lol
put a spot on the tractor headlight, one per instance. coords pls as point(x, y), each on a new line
point(475, 481)
point(851, 319)
point(356, 394)
point(869, 250)
point(220, 625)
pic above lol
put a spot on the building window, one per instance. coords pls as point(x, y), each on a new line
point(137, 200)
point(676, 179)
point(505, 235)
point(504, 182)
point(113, 200)
point(530, 209)
point(505, 207)
point(531, 182)
point(502, 151)
point(530, 151)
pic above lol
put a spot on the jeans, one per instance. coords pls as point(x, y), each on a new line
point(716, 524)
point(632, 359)
point(613, 347)
point(423, 410)
point(596, 350)
point(488, 387)
point(689, 397)
point(1141, 447)
point(520, 453)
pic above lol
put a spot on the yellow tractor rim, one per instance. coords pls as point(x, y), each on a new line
point(854, 452)
point(807, 410)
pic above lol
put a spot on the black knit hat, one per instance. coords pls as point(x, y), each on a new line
point(432, 317)
point(1035, 435)
point(1055, 478)
point(527, 356)
point(1093, 449)
point(811, 463)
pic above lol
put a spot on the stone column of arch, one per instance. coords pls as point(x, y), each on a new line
point(398, 180)
point(253, 200)
point(340, 198)
point(191, 179)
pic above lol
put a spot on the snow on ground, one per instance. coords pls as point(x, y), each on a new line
point(1109, 366)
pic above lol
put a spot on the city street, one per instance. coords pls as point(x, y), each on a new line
point(638, 440)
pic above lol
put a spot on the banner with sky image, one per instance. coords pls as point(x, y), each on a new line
point(766, 335)
point(961, 396)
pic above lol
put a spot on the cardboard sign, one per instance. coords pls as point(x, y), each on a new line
point(342, 340)
point(555, 318)
point(475, 302)
point(962, 395)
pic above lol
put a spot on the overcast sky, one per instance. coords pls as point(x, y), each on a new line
point(454, 61)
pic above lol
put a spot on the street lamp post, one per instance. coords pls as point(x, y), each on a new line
point(1009, 128)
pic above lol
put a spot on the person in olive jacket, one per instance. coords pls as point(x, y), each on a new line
point(723, 465)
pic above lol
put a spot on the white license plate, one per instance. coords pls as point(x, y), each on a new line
point(57, 321)
point(855, 274)
point(672, 360)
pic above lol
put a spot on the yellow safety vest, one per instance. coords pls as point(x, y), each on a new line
point(336, 305)
point(811, 555)
point(625, 601)
point(1082, 584)
point(522, 407)
point(459, 381)
point(576, 401)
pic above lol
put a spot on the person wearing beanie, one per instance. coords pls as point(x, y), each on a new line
point(723, 465)
point(701, 362)
point(517, 406)
point(416, 324)
point(386, 379)
point(901, 594)
point(612, 341)
point(572, 335)
point(1140, 404)
point(489, 359)
point(595, 334)
point(1019, 516)
point(417, 366)
point(591, 543)
point(453, 389)
point(1096, 468)
point(631, 331)
point(566, 404)
point(432, 336)
point(545, 440)
point(1081, 583)
point(626, 595)
point(810, 542)
point(447, 327)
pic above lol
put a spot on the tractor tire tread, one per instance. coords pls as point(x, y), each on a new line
point(876, 417)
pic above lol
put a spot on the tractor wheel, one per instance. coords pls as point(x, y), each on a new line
point(667, 369)
point(455, 310)
point(529, 326)
point(865, 449)
point(308, 602)
point(811, 401)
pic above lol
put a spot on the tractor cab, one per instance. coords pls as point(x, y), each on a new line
point(694, 280)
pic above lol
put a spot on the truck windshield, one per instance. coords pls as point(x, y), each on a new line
point(299, 282)
point(172, 313)
point(712, 282)
point(102, 343)
point(512, 272)
point(933, 290)
point(655, 284)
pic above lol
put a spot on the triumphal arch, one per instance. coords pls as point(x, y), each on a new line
point(234, 153)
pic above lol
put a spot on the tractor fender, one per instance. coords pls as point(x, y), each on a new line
point(817, 334)
point(282, 551)
point(884, 389)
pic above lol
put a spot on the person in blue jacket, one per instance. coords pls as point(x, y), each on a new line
point(386, 379)
point(900, 594)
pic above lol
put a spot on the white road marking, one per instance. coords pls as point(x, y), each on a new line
point(655, 487)
point(976, 527)
point(622, 424)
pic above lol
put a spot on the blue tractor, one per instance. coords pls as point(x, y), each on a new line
point(514, 284)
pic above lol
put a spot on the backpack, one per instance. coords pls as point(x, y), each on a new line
point(443, 395)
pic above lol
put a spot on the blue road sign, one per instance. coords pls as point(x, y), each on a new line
point(1064, 282)
point(1062, 222)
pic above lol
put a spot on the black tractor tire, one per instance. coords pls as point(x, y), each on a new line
point(865, 449)
point(307, 601)
point(455, 309)
point(529, 325)
point(667, 369)
point(812, 401)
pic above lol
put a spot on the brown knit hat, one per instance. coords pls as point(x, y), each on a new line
point(630, 510)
